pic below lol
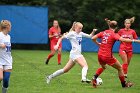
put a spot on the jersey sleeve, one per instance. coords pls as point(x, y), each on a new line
point(119, 32)
point(86, 35)
point(68, 35)
point(50, 31)
point(117, 36)
point(99, 35)
point(134, 35)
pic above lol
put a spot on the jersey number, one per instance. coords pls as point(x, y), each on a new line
point(8, 48)
point(105, 39)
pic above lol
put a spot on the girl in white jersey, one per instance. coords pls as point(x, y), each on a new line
point(75, 36)
point(5, 54)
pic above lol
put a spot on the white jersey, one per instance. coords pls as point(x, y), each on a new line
point(75, 40)
point(5, 53)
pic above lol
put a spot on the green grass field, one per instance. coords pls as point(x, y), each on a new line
point(29, 73)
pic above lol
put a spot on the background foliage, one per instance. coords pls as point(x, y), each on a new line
point(90, 12)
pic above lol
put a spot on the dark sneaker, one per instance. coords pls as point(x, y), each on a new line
point(59, 63)
point(86, 80)
point(47, 61)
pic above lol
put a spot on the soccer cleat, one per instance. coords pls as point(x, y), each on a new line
point(94, 83)
point(59, 63)
point(128, 84)
point(47, 61)
point(86, 80)
point(48, 79)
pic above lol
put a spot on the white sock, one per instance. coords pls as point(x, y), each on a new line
point(84, 73)
point(4, 90)
point(57, 73)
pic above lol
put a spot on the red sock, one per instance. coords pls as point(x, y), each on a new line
point(99, 71)
point(125, 68)
point(49, 56)
point(122, 79)
point(59, 58)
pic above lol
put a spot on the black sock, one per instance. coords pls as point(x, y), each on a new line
point(123, 83)
point(95, 76)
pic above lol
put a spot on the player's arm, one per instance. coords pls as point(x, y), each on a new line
point(91, 34)
point(2, 45)
point(128, 40)
point(94, 38)
point(59, 41)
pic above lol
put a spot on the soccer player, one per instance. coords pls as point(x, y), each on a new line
point(126, 50)
point(5, 54)
point(54, 35)
point(75, 36)
point(105, 55)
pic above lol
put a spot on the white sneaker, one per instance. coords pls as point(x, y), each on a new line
point(48, 79)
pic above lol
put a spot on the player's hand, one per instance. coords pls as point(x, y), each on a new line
point(95, 30)
point(56, 47)
point(2, 45)
point(99, 44)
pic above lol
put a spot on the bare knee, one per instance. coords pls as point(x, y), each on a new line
point(53, 52)
point(66, 70)
point(1, 78)
point(119, 68)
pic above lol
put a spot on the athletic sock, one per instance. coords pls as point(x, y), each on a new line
point(122, 79)
point(4, 90)
point(49, 56)
point(57, 73)
point(59, 58)
point(125, 68)
point(84, 73)
point(98, 72)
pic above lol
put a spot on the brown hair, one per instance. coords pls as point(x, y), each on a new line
point(112, 24)
point(58, 27)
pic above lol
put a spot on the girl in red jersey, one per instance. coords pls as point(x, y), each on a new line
point(105, 56)
point(126, 49)
point(54, 35)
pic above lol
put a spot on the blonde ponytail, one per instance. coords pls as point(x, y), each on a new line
point(73, 26)
point(131, 20)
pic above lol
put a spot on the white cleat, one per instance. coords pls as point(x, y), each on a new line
point(48, 79)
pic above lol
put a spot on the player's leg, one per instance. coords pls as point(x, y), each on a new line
point(123, 56)
point(6, 77)
point(129, 56)
point(82, 62)
point(59, 54)
point(67, 67)
point(98, 73)
point(52, 52)
point(117, 66)
point(1, 73)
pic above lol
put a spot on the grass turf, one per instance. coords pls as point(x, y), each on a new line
point(29, 71)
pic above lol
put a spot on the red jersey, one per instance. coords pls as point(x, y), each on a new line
point(54, 31)
point(108, 38)
point(131, 34)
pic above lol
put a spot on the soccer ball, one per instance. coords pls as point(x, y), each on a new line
point(99, 81)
